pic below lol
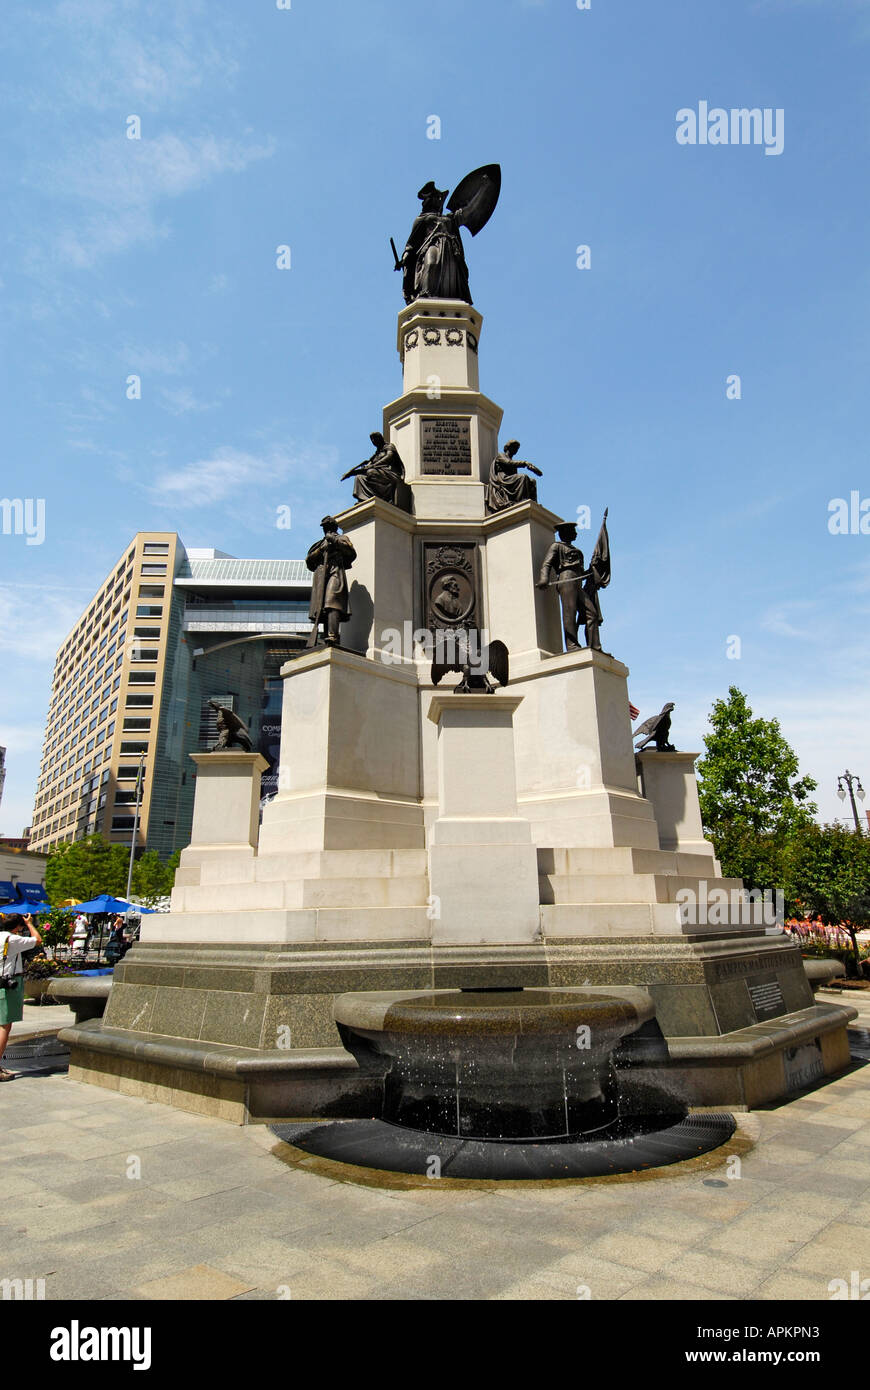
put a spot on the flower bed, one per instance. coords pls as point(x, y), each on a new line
point(819, 941)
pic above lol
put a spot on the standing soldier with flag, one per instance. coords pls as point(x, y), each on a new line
point(565, 561)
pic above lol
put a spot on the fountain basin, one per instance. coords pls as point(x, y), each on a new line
point(510, 1065)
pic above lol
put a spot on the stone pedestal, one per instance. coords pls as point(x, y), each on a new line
point(349, 775)
point(444, 428)
point(226, 811)
point(667, 780)
point(483, 871)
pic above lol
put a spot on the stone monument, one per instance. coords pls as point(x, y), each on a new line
point(426, 839)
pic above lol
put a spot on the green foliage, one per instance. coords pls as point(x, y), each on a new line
point(749, 775)
point(84, 868)
point(87, 867)
point(152, 879)
point(757, 859)
point(827, 876)
point(55, 927)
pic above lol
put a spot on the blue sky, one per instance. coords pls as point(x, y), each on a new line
point(308, 126)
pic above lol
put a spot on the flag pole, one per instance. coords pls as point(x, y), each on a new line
point(139, 780)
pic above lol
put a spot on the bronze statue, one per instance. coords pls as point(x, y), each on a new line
point(433, 262)
point(656, 730)
point(565, 561)
point(329, 559)
point(379, 476)
point(232, 732)
point(507, 485)
point(461, 650)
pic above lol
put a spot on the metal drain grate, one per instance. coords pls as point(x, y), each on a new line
point(36, 1056)
point(390, 1148)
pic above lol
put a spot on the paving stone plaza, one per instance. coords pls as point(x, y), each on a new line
point(120, 1198)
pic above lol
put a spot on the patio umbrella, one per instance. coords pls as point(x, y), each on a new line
point(25, 909)
point(106, 903)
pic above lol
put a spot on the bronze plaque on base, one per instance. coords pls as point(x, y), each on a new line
point(445, 447)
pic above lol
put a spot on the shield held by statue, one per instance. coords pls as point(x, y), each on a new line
point(476, 196)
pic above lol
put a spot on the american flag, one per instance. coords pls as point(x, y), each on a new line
point(632, 711)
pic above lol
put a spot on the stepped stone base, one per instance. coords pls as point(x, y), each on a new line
point(247, 1033)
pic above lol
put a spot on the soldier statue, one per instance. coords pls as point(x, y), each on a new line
point(578, 587)
point(329, 559)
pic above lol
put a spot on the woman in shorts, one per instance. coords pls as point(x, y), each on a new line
point(13, 944)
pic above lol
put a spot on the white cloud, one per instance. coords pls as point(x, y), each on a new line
point(801, 619)
point(36, 619)
point(230, 474)
point(183, 402)
point(136, 51)
point(165, 362)
point(117, 187)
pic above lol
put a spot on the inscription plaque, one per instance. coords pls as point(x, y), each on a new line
point(445, 447)
point(766, 996)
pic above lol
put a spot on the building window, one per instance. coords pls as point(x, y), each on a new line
point(139, 701)
point(155, 548)
point(133, 746)
point(132, 725)
point(151, 590)
point(153, 570)
point(149, 610)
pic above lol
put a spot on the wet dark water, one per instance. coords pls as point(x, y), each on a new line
point(638, 1145)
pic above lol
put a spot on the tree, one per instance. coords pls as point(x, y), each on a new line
point(83, 868)
point(152, 879)
point(827, 875)
point(752, 798)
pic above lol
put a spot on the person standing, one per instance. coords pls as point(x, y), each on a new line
point(80, 935)
point(13, 944)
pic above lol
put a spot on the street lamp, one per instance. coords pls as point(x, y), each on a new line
point(848, 781)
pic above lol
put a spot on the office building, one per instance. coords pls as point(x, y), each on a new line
point(167, 631)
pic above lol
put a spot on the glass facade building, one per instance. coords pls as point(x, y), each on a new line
point(187, 627)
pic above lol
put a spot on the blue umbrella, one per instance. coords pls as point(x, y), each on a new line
point(106, 903)
point(25, 909)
